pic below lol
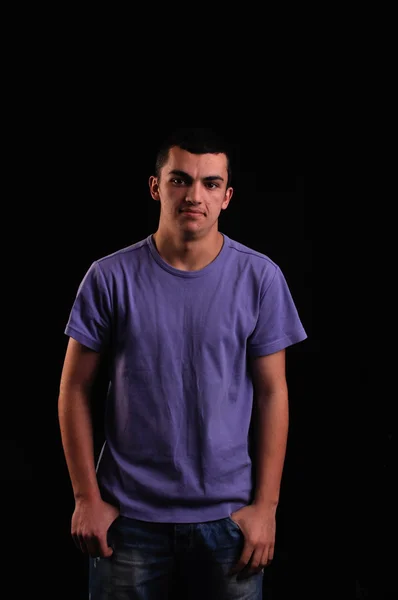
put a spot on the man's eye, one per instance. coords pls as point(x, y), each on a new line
point(211, 185)
point(177, 181)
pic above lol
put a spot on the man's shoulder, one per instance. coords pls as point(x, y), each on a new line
point(249, 254)
point(123, 255)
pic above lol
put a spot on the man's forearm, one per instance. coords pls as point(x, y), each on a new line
point(77, 440)
point(271, 439)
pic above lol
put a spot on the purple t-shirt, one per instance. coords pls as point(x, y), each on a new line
point(180, 396)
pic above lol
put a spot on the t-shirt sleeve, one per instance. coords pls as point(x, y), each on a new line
point(90, 317)
point(278, 325)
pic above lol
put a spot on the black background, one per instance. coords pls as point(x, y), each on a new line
point(85, 102)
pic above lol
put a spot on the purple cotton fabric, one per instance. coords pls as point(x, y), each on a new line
point(180, 397)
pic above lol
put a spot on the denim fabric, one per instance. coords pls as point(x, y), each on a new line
point(164, 561)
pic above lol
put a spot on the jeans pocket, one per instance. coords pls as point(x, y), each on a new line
point(234, 523)
point(110, 531)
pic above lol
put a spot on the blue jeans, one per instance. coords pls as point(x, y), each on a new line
point(164, 561)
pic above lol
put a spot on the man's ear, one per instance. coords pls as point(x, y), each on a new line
point(228, 195)
point(154, 187)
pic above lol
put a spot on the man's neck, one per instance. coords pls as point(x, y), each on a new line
point(188, 255)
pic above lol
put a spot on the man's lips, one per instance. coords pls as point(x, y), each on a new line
point(194, 212)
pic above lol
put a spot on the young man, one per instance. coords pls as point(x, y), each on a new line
point(196, 325)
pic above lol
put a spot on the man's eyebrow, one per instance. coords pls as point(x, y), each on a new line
point(186, 176)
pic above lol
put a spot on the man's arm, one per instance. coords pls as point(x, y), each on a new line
point(92, 516)
point(78, 374)
point(271, 398)
point(258, 520)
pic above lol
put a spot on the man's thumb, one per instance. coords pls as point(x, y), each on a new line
point(106, 550)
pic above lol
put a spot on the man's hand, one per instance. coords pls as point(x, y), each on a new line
point(91, 520)
point(258, 526)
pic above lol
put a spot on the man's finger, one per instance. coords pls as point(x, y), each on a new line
point(243, 560)
point(256, 563)
point(271, 554)
point(80, 543)
point(90, 545)
point(105, 550)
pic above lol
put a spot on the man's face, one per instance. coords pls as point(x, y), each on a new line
point(196, 182)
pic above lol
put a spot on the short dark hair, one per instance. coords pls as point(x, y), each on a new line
point(197, 140)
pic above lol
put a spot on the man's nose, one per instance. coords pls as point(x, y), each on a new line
point(194, 193)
